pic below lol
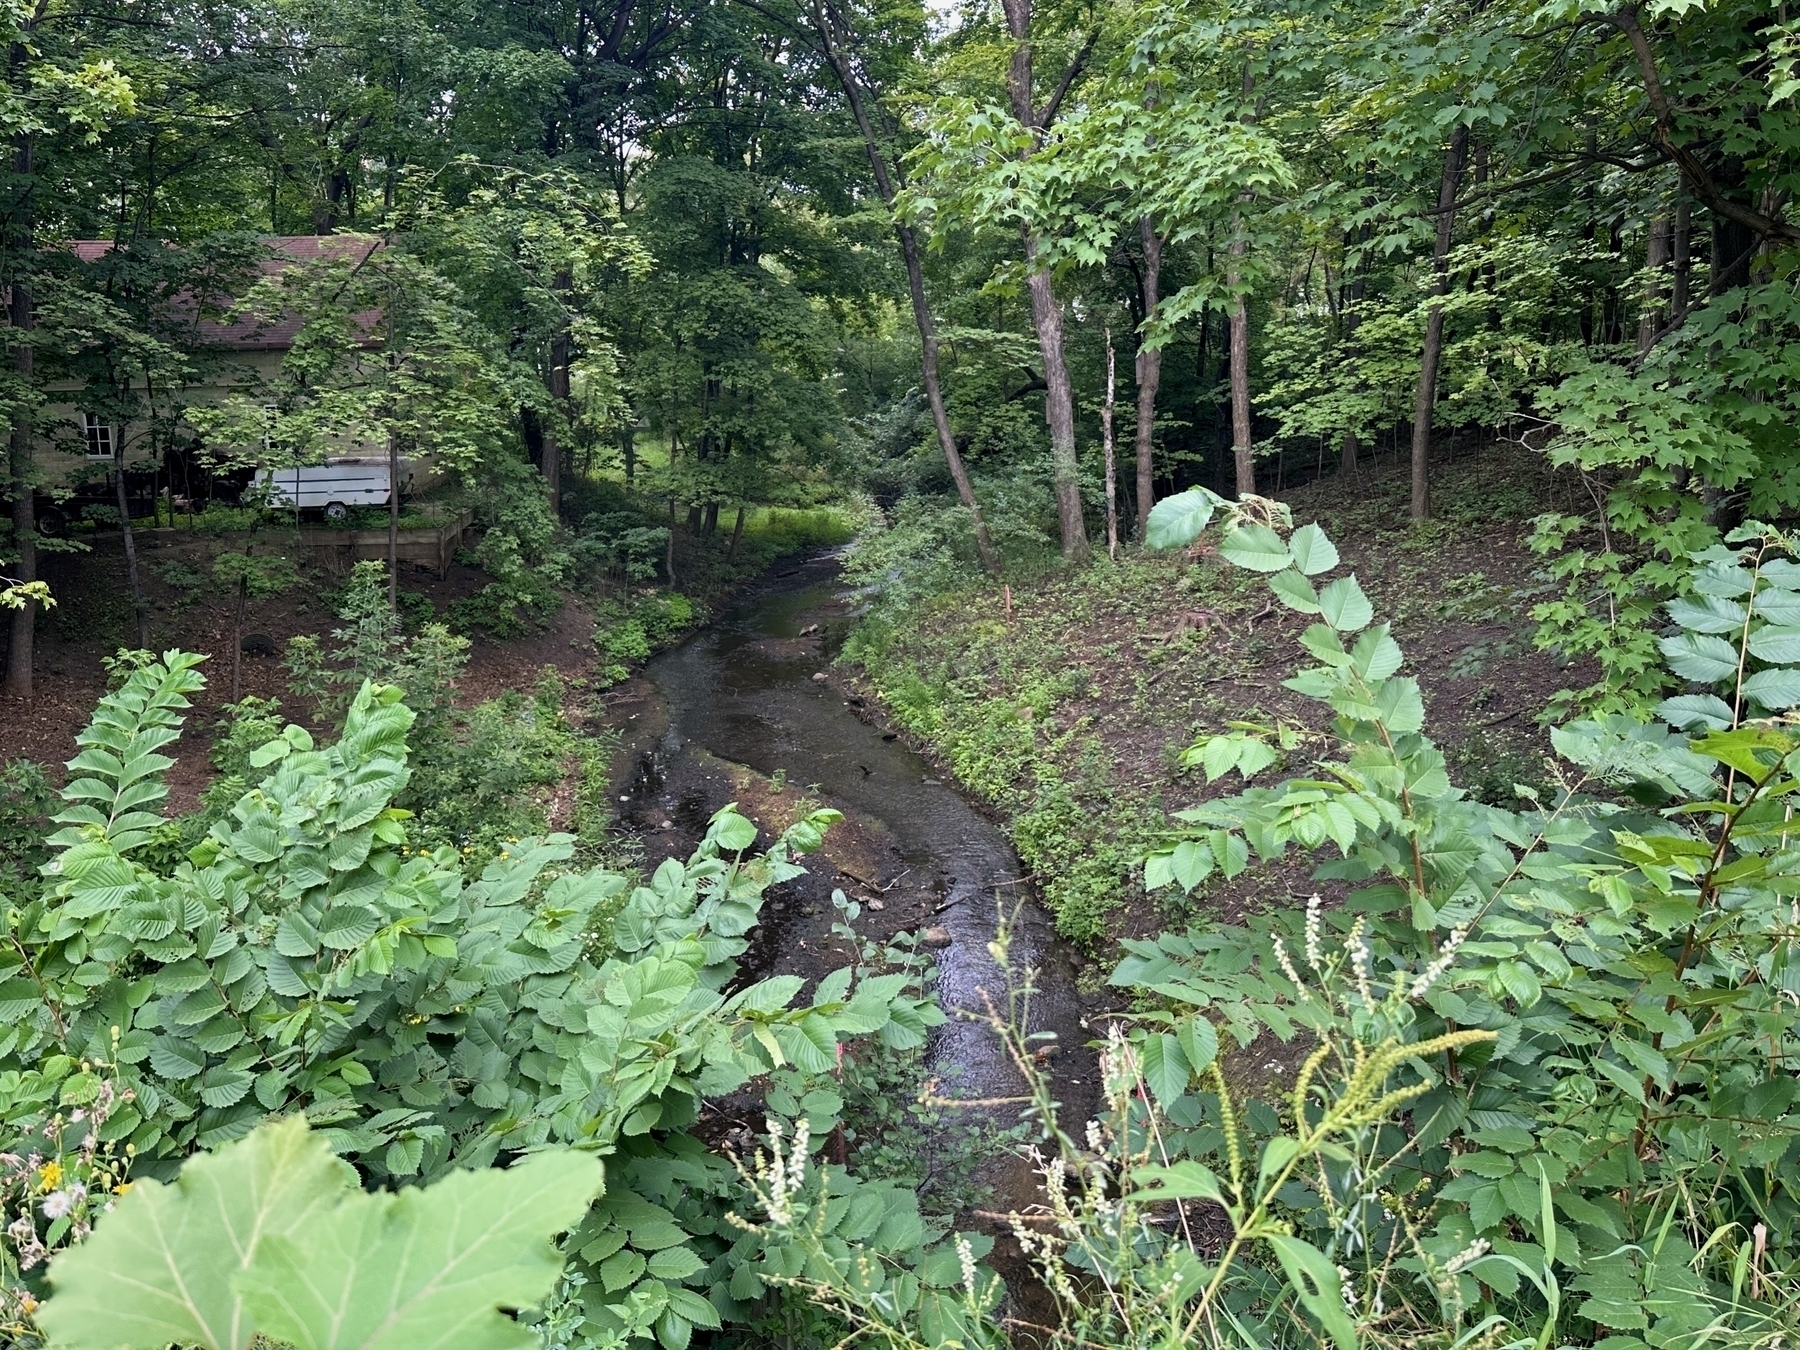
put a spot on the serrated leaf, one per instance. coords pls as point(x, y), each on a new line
point(1708, 614)
point(674, 1263)
point(1313, 552)
point(1700, 656)
point(1164, 1066)
point(1345, 607)
point(347, 926)
point(1185, 1180)
point(175, 1058)
point(1295, 591)
point(1256, 548)
point(1691, 712)
point(1773, 688)
point(1776, 643)
point(1178, 520)
point(220, 1086)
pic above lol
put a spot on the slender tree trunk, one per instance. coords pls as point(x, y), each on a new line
point(934, 396)
point(23, 475)
point(139, 609)
point(1242, 446)
point(1434, 324)
point(832, 42)
point(1046, 309)
point(557, 381)
point(23, 481)
point(1243, 452)
point(1682, 247)
point(1149, 378)
point(669, 552)
point(237, 634)
point(1059, 404)
point(737, 533)
point(1656, 261)
point(394, 524)
point(1106, 441)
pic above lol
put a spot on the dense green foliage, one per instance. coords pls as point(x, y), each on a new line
point(306, 958)
point(667, 291)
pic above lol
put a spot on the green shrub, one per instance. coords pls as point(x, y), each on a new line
point(1623, 1142)
point(26, 799)
point(309, 958)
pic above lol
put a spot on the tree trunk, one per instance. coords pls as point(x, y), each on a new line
point(394, 524)
point(1149, 378)
point(934, 396)
point(21, 458)
point(1434, 324)
point(1682, 247)
point(669, 552)
point(1046, 309)
point(1348, 464)
point(556, 380)
point(1106, 441)
point(237, 633)
point(737, 533)
point(1656, 260)
point(1059, 405)
point(832, 47)
point(139, 609)
point(1242, 448)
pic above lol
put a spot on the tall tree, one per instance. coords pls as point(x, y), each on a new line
point(1433, 349)
point(1046, 309)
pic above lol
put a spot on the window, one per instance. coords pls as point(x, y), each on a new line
point(99, 436)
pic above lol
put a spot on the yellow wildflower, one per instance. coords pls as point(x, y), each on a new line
point(50, 1175)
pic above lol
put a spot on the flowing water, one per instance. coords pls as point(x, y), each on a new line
point(743, 692)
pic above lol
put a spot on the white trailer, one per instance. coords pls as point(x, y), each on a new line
point(334, 486)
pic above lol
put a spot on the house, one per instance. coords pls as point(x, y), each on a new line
point(81, 450)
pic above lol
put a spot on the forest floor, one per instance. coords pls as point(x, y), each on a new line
point(93, 618)
point(1064, 701)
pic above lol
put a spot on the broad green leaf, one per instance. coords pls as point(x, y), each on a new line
point(428, 1268)
point(1773, 688)
point(1164, 1066)
point(1255, 547)
point(1776, 643)
point(1199, 1043)
point(1691, 712)
point(162, 1267)
point(347, 926)
point(732, 832)
point(1698, 656)
point(1185, 1180)
point(1315, 1283)
point(1752, 750)
point(1295, 591)
point(1177, 521)
point(1313, 552)
point(1708, 614)
point(1345, 606)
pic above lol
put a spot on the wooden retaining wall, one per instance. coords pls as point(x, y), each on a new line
point(339, 549)
point(433, 548)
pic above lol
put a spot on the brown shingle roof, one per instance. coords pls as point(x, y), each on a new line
point(250, 334)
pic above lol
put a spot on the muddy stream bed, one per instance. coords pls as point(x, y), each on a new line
point(739, 713)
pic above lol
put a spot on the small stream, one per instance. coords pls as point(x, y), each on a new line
point(743, 691)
